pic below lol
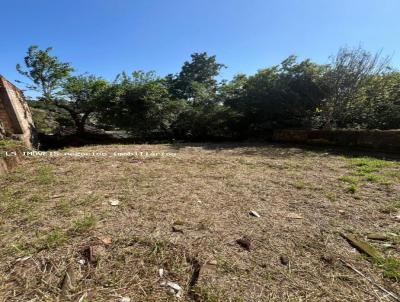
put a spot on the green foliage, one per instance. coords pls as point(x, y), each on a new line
point(391, 267)
point(84, 224)
point(282, 96)
point(82, 95)
point(44, 175)
point(352, 189)
point(202, 69)
point(45, 71)
point(76, 95)
point(139, 103)
point(52, 239)
point(356, 90)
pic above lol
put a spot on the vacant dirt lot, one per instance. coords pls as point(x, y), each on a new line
point(99, 228)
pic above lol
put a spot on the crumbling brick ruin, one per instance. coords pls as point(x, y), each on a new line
point(15, 117)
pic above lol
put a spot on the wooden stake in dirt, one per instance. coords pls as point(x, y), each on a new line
point(392, 295)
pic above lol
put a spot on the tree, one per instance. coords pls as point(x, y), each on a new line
point(45, 72)
point(52, 79)
point(281, 96)
point(380, 108)
point(201, 70)
point(141, 104)
point(81, 96)
point(347, 75)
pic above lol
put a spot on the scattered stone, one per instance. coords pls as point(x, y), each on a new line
point(173, 288)
point(254, 214)
point(208, 268)
point(284, 260)
point(294, 216)
point(244, 242)
point(362, 246)
point(341, 211)
point(378, 236)
point(125, 299)
point(213, 262)
point(106, 240)
point(81, 261)
point(114, 202)
point(161, 272)
point(397, 217)
point(177, 229)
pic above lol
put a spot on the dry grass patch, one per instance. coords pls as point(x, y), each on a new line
point(184, 214)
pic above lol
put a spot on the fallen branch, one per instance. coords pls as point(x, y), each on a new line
point(392, 295)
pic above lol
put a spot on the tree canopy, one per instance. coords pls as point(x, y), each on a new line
point(357, 89)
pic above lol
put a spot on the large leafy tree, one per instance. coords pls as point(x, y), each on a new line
point(280, 96)
point(141, 104)
point(80, 98)
point(203, 115)
point(348, 75)
point(45, 72)
point(51, 78)
point(201, 70)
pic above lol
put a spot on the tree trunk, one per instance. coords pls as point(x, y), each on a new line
point(80, 122)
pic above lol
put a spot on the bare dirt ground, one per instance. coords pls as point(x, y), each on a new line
point(100, 228)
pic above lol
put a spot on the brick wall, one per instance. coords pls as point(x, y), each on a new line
point(15, 114)
point(5, 120)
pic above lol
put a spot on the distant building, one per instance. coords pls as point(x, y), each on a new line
point(15, 117)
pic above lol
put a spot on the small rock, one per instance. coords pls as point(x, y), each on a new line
point(209, 268)
point(81, 261)
point(106, 240)
point(114, 202)
point(254, 214)
point(397, 217)
point(125, 299)
point(173, 288)
point(161, 272)
point(284, 260)
point(244, 242)
point(177, 229)
point(213, 262)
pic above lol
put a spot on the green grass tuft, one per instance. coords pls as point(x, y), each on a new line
point(351, 189)
point(84, 224)
point(44, 175)
point(391, 268)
